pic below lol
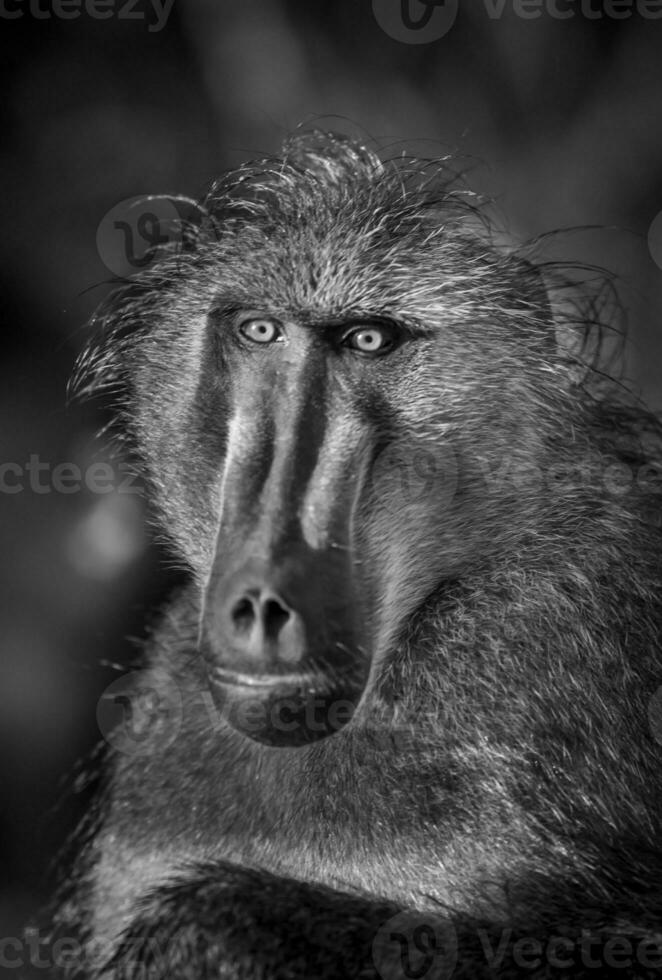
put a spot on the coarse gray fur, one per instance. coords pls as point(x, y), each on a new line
point(500, 772)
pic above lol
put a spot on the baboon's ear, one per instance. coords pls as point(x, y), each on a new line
point(331, 157)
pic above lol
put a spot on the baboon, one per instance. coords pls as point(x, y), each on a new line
point(417, 661)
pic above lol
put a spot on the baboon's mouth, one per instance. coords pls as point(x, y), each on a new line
point(290, 680)
point(284, 710)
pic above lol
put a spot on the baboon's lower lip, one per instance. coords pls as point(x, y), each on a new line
point(282, 710)
point(304, 682)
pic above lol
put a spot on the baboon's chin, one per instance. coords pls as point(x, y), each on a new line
point(285, 711)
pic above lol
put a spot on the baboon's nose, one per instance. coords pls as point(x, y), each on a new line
point(280, 643)
point(262, 626)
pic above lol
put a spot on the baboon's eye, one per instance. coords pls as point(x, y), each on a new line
point(260, 330)
point(373, 339)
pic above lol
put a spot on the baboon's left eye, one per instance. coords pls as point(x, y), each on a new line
point(371, 340)
point(260, 330)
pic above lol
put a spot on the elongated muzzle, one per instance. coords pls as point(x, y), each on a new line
point(281, 622)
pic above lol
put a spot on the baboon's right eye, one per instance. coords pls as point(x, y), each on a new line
point(260, 330)
point(372, 338)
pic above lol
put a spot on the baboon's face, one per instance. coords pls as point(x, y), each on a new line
point(310, 466)
point(321, 515)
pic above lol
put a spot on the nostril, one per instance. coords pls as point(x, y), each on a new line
point(258, 629)
point(243, 615)
point(270, 614)
point(275, 617)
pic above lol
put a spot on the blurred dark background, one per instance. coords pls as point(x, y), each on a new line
point(559, 119)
